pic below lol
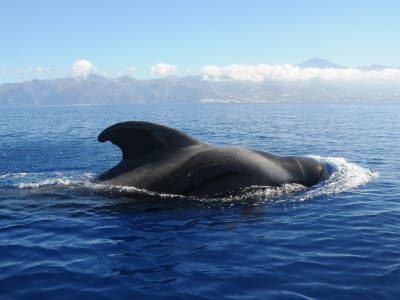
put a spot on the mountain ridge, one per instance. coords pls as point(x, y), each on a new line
point(321, 63)
point(96, 89)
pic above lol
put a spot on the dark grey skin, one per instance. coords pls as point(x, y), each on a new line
point(162, 159)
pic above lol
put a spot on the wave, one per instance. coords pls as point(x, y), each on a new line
point(344, 177)
point(13, 175)
point(35, 180)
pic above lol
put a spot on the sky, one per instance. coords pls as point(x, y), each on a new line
point(147, 39)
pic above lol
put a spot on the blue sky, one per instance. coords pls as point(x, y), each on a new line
point(43, 39)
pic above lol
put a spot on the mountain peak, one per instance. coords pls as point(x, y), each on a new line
point(321, 63)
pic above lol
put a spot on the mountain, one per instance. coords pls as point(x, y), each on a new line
point(321, 63)
point(101, 90)
point(376, 68)
point(127, 90)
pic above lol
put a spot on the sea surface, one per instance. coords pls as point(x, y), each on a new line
point(64, 237)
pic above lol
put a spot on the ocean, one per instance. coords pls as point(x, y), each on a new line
point(64, 237)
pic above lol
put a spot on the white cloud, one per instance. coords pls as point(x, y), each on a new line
point(24, 71)
point(131, 69)
point(38, 71)
point(82, 68)
point(44, 70)
point(163, 69)
point(289, 72)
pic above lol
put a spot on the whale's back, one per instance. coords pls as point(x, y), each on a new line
point(162, 159)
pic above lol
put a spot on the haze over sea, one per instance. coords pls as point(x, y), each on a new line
point(63, 237)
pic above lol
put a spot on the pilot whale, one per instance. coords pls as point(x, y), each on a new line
point(162, 159)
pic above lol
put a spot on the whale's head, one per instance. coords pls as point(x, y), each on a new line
point(311, 171)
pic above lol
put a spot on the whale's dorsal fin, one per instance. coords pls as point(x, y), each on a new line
point(140, 139)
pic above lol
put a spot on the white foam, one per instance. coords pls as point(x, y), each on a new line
point(122, 189)
point(38, 180)
point(45, 182)
point(259, 194)
point(346, 176)
point(13, 175)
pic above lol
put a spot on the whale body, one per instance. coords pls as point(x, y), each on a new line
point(164, 160)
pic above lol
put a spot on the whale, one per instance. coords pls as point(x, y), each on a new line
point(165, 160)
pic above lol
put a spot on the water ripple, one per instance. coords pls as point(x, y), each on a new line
point(63, 237)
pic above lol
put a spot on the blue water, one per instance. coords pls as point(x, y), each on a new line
point(63, 237)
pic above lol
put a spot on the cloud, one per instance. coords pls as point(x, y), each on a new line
point(287, 72)
point(131, 69)
point(163, 69)
point(82, 67)
point(38, 71)
point(24, 71)
point(44, 70)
